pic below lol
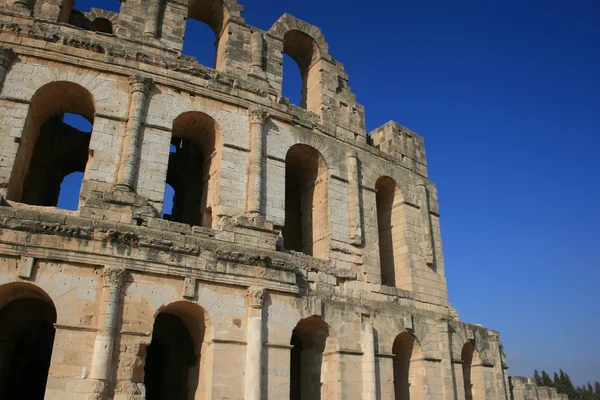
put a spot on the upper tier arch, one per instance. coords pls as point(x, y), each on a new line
point(288, 23)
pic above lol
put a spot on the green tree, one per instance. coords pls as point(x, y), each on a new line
point(568, 387)
point(546, 381)
point(537, 378)
point(558, 383)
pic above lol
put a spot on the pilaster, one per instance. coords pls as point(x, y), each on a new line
point(130, 156)
point(254, 296)
point(107, 323)
point(258, 117)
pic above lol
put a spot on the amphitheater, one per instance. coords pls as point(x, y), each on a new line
point(301, 259)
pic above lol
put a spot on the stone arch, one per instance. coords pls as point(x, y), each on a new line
point(313, 361)
point(27, 318)
point(288, 22)
point(410, 380)
point(387, 328)
point(306, 227)
point(103, 21)
point(48, 149)
point(306, 45)
point(178, 363)
point(194, 168)
point(473, 376)
point(463, 333)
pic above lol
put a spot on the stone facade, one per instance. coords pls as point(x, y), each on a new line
point(302, 258)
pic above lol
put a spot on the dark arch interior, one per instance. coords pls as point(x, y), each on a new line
point(60, 150)
point(309, 339)
point(185, 176)
point(190, 160)
point(26, 340)
point(386, 188)
point(403, 352)
point(467, 359)
point(102, 25)
point(292, 230)
point(305, 200)
point(296, 368)
point(169, 359)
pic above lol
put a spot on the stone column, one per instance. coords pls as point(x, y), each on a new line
point(24, 4)
point(151, 26)
point(499, 371)
point(107, 323)
point(254, 338)
point(368, 361)
point(256, 62)
point(258, 117)
point(354, 209)
point(131, 147)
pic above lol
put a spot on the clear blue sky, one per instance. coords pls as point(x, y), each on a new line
point(507, 96)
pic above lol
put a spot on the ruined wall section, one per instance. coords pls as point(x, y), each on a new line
point(522, 388)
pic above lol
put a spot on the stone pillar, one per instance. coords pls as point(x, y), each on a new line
point(151, 26)
point(131, 147)
point(369, 385)
point(7, 56)
point(427, 243)
point(107, 323)
point(498, 368)
point(354, 208)
point(258, 117)
point(24, 4)
point(449, 383)
point(256, 62)
point(254, 339)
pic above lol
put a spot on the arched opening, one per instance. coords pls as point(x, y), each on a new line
point(292, 81)
point(471, 365)
point(102, 25)
point(168, 202)
point(389, 228)
point(50, 148)
point(313, 361)
point(409, 373)
point(193, 170)
point(27, 318)
point(199, 42)
point(79, 17)
point(70, 187)
point(305, 52)
point(174, 365)
point(214, 14)
point(306, 226)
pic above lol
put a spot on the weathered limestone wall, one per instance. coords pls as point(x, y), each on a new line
point(522, 388)
point(262, 322)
